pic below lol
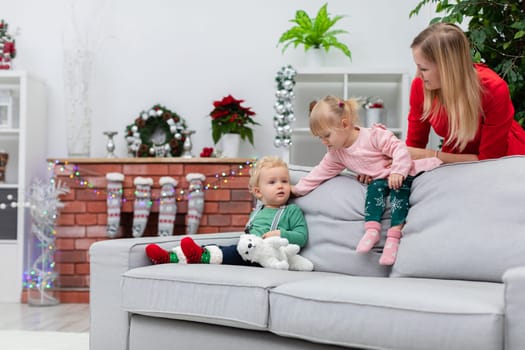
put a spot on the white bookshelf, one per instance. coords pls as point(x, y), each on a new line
point(25, 140)
point(392, 86)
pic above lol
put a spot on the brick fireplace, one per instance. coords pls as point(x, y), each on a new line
point(83, 219)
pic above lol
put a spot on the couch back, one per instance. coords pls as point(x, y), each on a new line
point(335, 215)
point(466, 221)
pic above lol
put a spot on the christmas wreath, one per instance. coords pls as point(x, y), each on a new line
point(157, 132)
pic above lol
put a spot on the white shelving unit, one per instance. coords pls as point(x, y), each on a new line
point(25, 140)
point(312, 84)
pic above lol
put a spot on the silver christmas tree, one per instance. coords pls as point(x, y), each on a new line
point(44, 203)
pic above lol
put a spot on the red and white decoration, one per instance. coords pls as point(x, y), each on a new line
point(7, 47)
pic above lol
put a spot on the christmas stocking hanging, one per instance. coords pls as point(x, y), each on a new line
point(195, 202)
point(142, 204)
point(113, 202)
point(168, 207)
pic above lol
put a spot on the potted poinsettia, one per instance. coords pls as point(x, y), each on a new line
point(230, 117)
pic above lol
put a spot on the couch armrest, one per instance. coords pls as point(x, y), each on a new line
point(108, 261)
point(514, 280)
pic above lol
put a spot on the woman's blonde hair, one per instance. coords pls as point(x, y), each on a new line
point(446, 45)
point(266, 162)
point(330, 111)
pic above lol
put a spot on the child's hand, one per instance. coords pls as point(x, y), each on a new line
point(395, 181)
point(364, 179)
point(274, 233)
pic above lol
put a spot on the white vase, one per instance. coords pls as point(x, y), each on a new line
point(315, 57)
point(230, 145)
point(78, 69)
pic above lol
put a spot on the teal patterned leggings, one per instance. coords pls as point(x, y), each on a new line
point(376, 195)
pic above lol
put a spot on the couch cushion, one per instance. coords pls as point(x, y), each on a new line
point(335, 215)
point(390, 313)
point(466, 221)
point(218, 294)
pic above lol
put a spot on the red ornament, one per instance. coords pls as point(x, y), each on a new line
point(206, 152)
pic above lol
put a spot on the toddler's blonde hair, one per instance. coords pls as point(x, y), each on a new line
point(330, 111)
point(266, 162)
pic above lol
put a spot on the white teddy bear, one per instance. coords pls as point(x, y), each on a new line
point(273, 252)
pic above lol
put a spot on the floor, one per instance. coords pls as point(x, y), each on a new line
point(60, 318)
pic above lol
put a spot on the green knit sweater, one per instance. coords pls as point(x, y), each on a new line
point(292, 223)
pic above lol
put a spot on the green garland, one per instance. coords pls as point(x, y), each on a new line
point(157, 122)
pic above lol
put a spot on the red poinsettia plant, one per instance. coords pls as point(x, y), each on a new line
point(230, 117)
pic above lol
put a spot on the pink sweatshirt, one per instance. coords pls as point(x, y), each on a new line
point(368, 155)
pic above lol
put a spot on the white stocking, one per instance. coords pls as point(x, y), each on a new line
point(142, 204)
point(114, 202)
point(195, 202)
point(168, 207)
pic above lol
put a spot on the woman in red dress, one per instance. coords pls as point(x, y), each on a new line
point(467, 104)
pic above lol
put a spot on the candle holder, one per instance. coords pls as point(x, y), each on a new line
point(187, 146)
point(110, 146)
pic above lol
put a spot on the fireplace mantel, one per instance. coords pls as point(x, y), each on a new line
point(83, 219)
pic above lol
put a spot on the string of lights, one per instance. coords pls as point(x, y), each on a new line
point(214, 180)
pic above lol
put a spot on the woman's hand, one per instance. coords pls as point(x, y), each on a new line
point(395, 181)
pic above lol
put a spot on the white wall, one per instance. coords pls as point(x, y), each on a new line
point(185, 54)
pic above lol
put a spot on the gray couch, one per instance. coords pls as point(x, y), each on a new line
point(458, 282)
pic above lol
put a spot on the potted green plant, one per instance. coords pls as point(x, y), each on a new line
point(230, 117)
point(316, 33)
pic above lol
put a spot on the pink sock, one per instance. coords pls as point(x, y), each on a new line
point(390, 250)
point(370, 238)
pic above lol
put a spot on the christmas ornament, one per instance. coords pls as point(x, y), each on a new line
point(7, 47)
point(157, 132)
point(284, 107)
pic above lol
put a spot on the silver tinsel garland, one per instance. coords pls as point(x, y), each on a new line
point(43, 202)
point(284, 107)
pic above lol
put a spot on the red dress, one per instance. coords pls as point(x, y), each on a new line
point(498, 133)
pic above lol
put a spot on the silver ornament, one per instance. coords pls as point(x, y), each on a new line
point(288, 84)
point(279, 108)
point(178, 136)
point(277, 142)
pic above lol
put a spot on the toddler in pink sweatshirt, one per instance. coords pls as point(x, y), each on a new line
point(375, 152)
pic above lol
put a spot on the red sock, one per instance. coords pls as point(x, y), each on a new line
point(192, 251)
point(157, 255)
